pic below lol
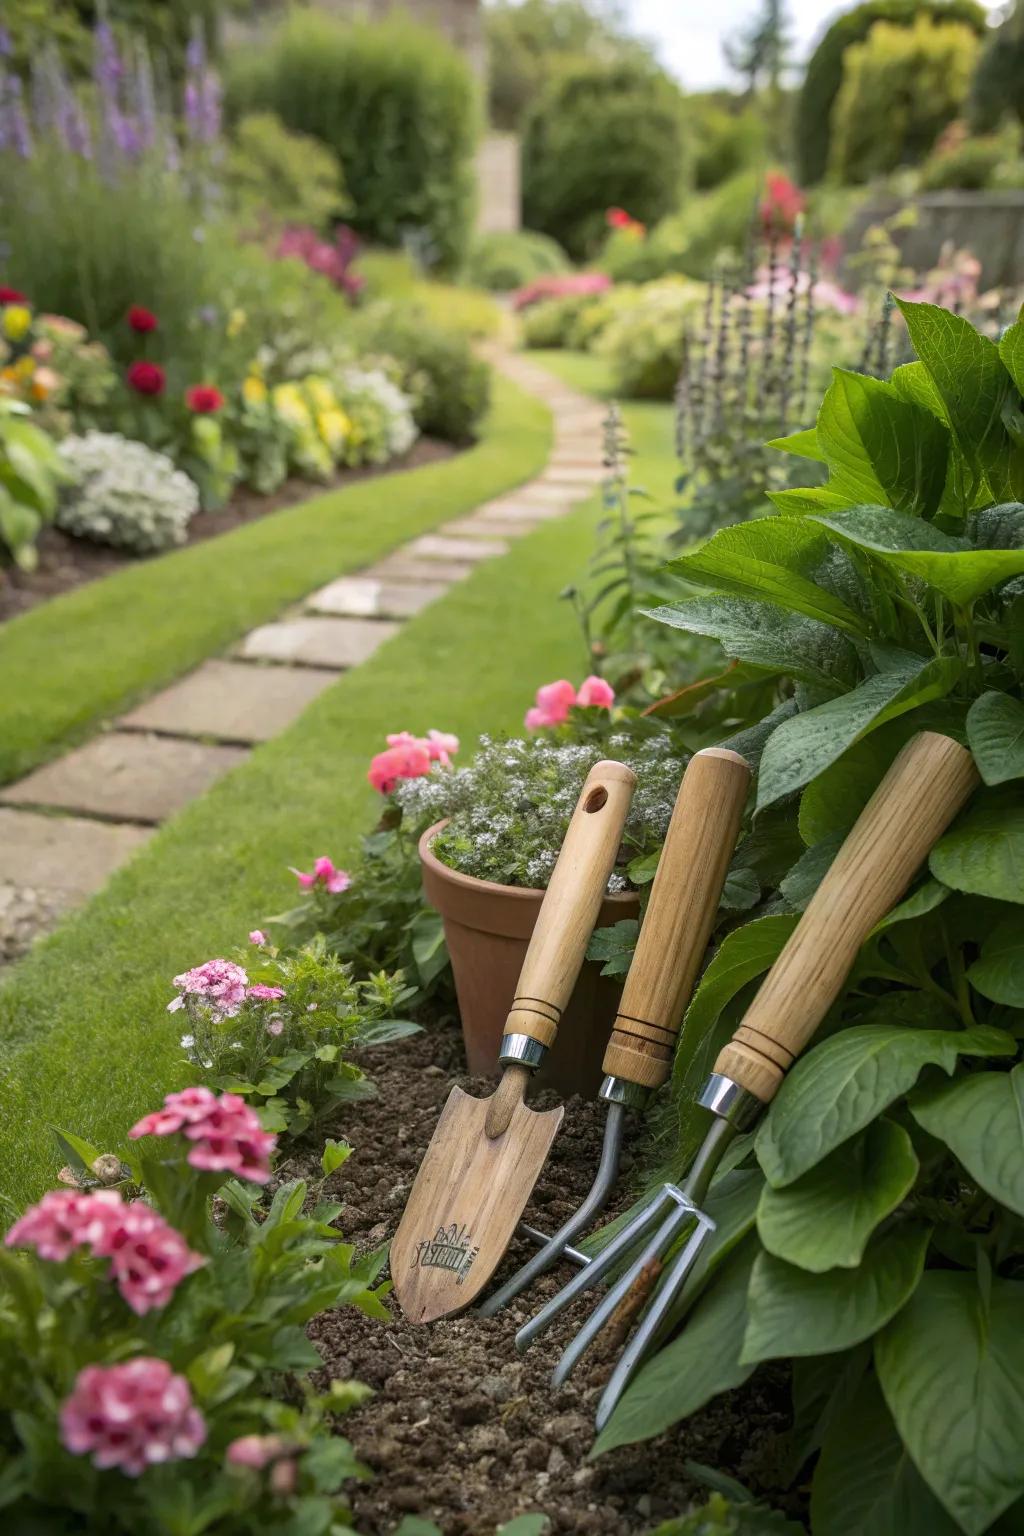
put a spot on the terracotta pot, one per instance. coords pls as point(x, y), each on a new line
point(487, 928)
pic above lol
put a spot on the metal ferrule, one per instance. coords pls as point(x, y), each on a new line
point(616, 1090)
point(729, 1101)
point(521, 1051)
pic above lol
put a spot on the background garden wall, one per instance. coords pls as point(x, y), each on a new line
point(989, 224)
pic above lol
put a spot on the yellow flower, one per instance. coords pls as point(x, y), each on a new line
point(17, 319)
point(24, 368)
point(290, 406)
point(254, 391)
point(236, 322)
point(321, 393)
point(334, 427)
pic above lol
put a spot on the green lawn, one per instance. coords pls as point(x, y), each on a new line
point(82, 658)
point(87, 1007)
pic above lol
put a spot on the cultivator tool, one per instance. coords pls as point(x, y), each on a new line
point(676, 928)
point(924, 789)
point(486, 1154)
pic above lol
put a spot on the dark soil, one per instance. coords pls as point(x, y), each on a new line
point(462, 1430)
point(66, 563)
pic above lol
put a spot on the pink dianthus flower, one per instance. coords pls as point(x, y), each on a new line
point(131, 1416)
point(221, 983)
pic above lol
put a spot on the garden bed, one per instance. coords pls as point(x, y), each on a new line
point(461, 1429)
point(66, 563)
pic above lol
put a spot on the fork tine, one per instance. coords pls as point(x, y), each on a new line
point(633, 1354)
point(642, 1222)
point(604, 1311)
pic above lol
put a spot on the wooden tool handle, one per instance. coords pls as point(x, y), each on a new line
point(571, 903)
point(914, 804)
point(677, 924)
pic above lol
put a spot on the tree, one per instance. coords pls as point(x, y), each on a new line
point(529, 42)
point(998, 84)
point(758, 50)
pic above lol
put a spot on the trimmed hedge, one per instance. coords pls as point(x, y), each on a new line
point(602, 135)
point(398, 106)
point(825, 69)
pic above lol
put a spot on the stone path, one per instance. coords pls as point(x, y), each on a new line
point(67, 826)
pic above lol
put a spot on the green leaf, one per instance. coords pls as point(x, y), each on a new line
point(412, 1525)
point(911, 381)
point(929, 895)
point(981, 1120)
point(766, 636)
point(810, 869)
point(699, 1363)
point(951, 1366)
point(806, 745)
point(843, 1083)
point(80, 1154)
point(334, 1154)
point(387, 1031)
point(429, 950)
point(806, 499)
point(803, 444)
point(772, 560)
point(1011, 351)
point(881, 447)
point(999, 973)
point(995, 730)
point(791, 1312)
point(865, 1484)
point(19, 527)
point(742, 955)
point(906, 543)
point(525, 1525)
point(983, 852)
point(613, 946)
point(823, 1220)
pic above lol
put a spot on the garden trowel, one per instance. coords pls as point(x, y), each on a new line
point(486, 1154)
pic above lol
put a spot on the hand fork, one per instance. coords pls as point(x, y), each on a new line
point(926, 786)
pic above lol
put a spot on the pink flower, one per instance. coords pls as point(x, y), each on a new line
point(264, 994)
point(595, 693)
point(131, 1416)
point(148, 1258)
point(275, 1027)
point(257, 937)
point(559, 285)
point(53, 1227)
point(552, 705)
point(220, 983)
point(226, 1132)
point(442, 746)
point(325, 874)
point(404, 760)
point(256, 1451)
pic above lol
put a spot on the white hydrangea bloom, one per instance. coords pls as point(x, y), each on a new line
point(124, 494)
point(402, 430)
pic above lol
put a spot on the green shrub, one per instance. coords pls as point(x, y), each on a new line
point(503, 261)
point(692, 240)
point(644, 341)
point(721, 142)
point(974, 163)
point(998, 85)
point(289, 178)
point(901, 87)
point(449, 386)
point(824, 74)
point(600, 136)
point(396, 104)
point(551, 323)
point(30, 474)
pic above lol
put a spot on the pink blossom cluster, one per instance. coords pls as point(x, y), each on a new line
point(220, 983)
point(148, 1258)
point(264, 994)
point(256, 1452)
point(560, 286)
point(325, 876)
point(225, 1132)
point(553, 701)
point(410, 757)
point(131, 1416)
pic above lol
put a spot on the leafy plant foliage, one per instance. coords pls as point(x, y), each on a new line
point(879, 1245)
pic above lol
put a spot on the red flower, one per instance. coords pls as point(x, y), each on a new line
point(204, 399)
point(783, 202)
point(141, 320)
point(11, 296)
point(146, 378)
point(617, 218)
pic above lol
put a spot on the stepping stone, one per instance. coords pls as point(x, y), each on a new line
point(313, 642)
point(565, 495)
point(565, 474)
point(435, 546)
point(231, 702)
point(401, 567)
point(476, 526)
point(125, 777)
point(520, 511)
point(63, 855)
point(364, 597)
